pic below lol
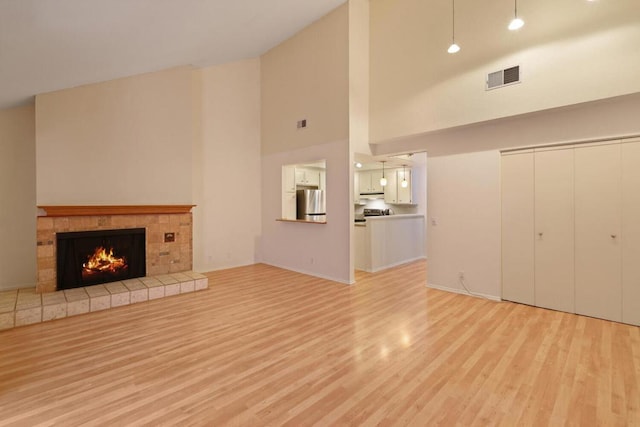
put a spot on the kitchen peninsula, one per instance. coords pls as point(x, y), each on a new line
point(386, 241)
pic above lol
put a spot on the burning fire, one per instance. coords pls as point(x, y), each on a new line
point(103, 261)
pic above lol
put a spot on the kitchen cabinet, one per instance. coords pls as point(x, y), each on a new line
point(404, 193)
point(356, 187)
point(570, 229)
point(288, 178)
point(289, 205)
point(308, 177)
point(394, 193)
point(289, 192)
point(370, 181)
point(323, 181)
point(386, 241)
point(391, 189)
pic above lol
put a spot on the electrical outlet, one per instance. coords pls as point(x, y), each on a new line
point(461, 275)
point(311, 261)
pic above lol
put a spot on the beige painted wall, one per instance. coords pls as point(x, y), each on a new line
point(417, 87)
point(321, 250)
point(229, 201)
point(307, 77)
point(126, 141)
point(463, 222)
point(463, 183)
point(359, 18)
point(359, 76)
point(17, 198)
point(576, 85)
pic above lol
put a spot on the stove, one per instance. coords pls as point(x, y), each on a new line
point(376, 212)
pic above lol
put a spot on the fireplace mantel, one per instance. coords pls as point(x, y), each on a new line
point(99, 210)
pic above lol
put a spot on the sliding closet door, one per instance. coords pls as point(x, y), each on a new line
point(631, 232)
point(517, 227)
point(598, 266)
point(554, 219)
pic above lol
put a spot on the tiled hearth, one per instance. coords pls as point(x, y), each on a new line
point(25, 307)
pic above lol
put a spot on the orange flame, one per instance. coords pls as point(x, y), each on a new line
point(103, 261)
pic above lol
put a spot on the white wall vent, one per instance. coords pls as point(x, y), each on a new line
point(505, 77)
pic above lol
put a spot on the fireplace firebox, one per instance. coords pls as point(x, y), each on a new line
point(92, 257)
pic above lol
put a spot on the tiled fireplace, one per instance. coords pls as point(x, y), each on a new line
point(168, 228)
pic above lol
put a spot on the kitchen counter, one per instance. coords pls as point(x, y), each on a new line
point(392, 217)
point(386, 241)
point(387, 217)
point(300, 220)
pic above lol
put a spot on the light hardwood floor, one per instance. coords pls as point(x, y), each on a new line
point(264, 346)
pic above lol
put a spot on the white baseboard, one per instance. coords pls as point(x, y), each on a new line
point(395, 264)
point(309, 273)
point(463, 292)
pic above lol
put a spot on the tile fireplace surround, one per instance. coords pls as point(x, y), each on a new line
point(162, 258)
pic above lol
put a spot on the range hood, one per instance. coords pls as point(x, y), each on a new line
point(372, 195)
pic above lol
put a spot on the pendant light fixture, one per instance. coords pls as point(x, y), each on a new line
point(516, 23)
point(383, 180)
point(454, 47)
point(404, 183)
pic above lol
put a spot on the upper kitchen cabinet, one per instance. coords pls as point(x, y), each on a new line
point(391, 189)
point(308, 177)
point(404, 186)
point(398, 191)
point(369, 182)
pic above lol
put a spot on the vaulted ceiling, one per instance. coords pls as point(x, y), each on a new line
point(47, 45)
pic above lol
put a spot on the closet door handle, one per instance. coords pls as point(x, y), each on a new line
point(613, 236)
point(540, 234)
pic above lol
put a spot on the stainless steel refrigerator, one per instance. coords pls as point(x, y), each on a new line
point(310, 205)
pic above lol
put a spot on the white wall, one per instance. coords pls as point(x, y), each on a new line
point(579, 81)
point(463, 181)
point(227, 220)
point(321, 250)
point(359, 76)
point(17, 198)
point(126, 141)
point(307, 77)
point(177, 136)
point(417, 87)
point(464, 202)
point(612, 117)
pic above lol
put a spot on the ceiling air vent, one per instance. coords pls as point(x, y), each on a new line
point(504, 77)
